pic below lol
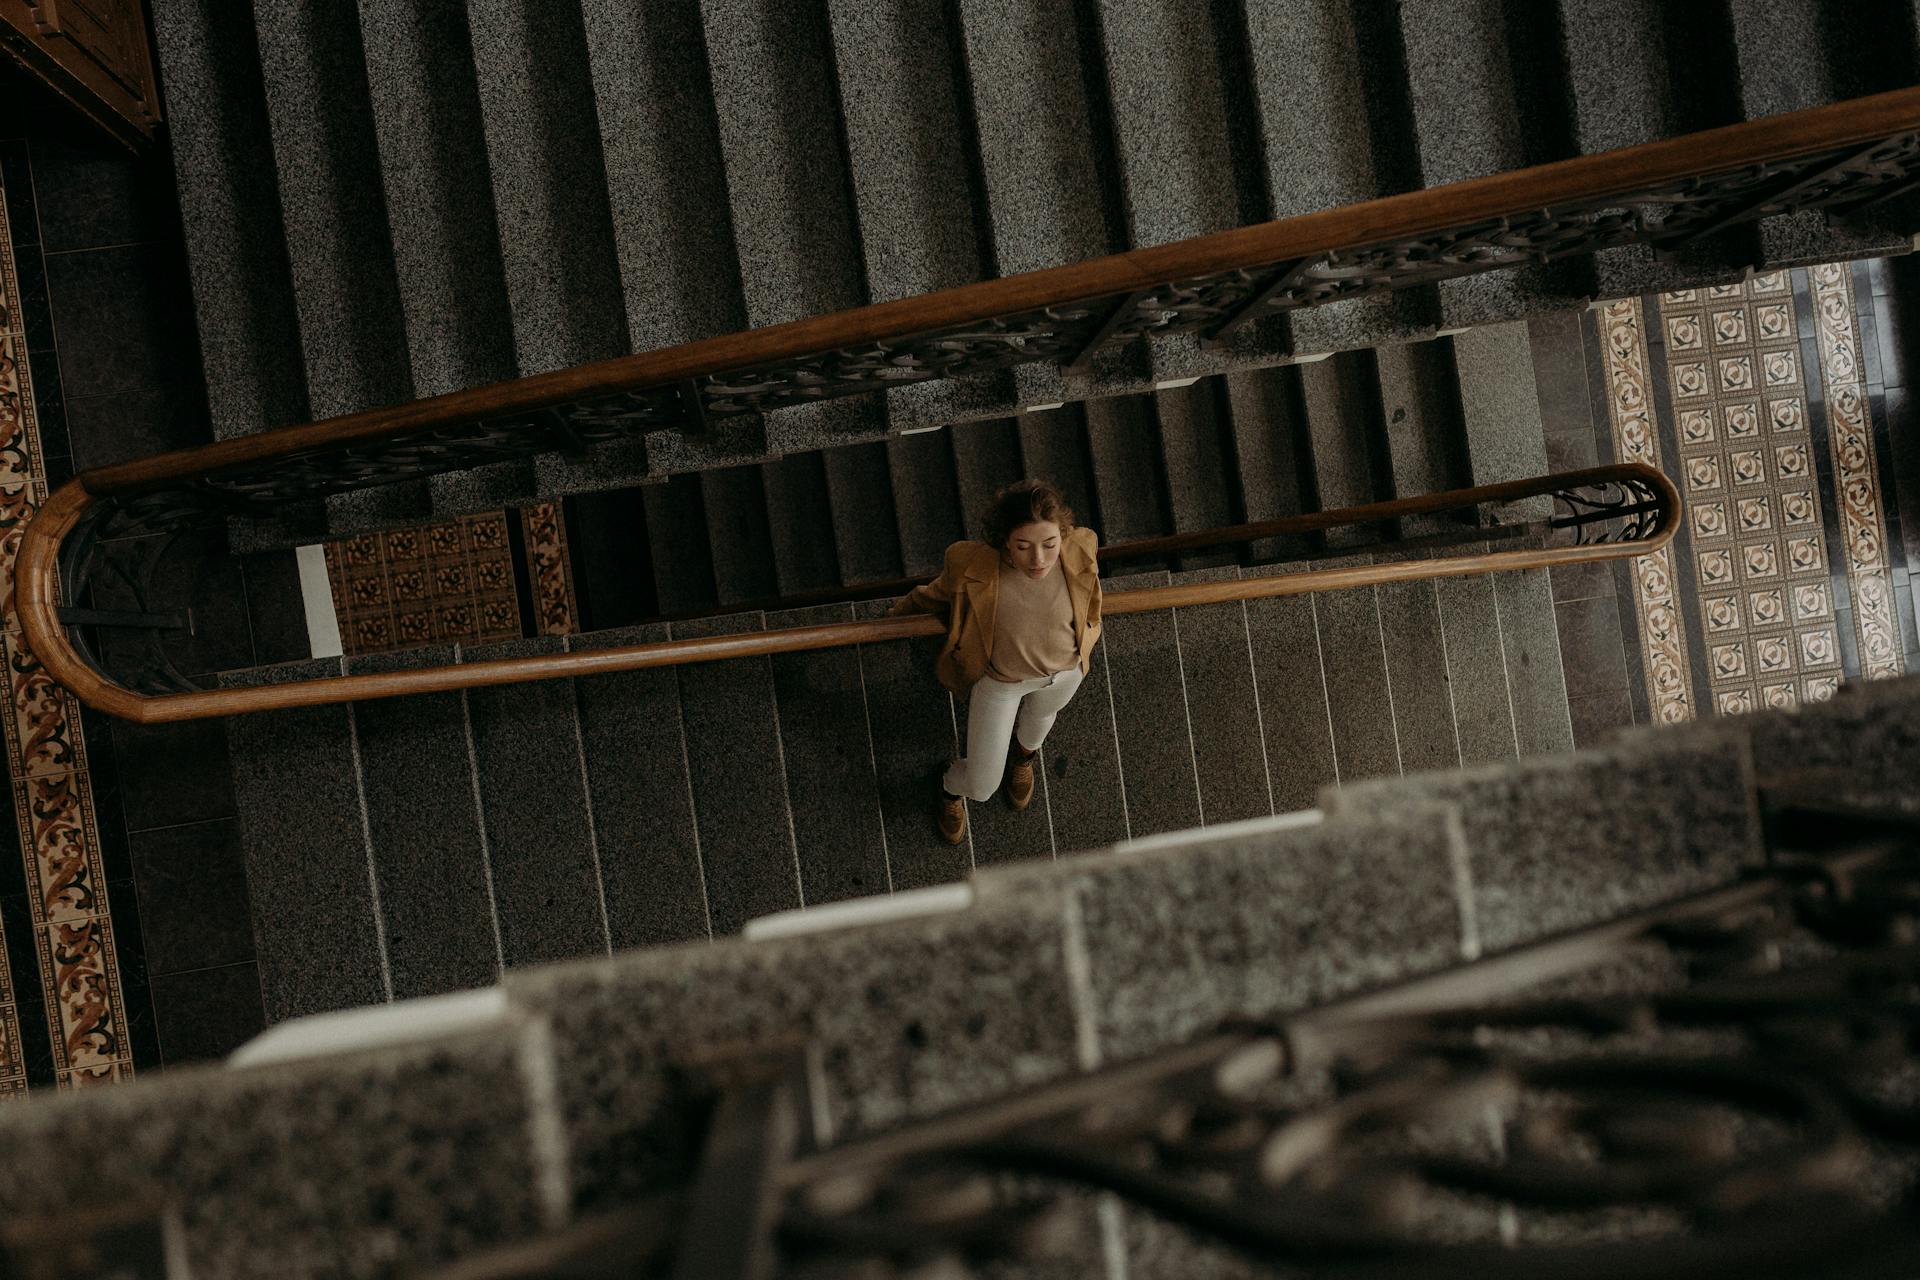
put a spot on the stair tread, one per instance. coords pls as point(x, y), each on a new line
point(1265, 417)
point(926, 499)
point(1196, 455)
point(1151, 716)
point(1341, 395)
point(793, 224)
point(533, 802)
point(800, 521)
point(549, 185)
point(429, 853)
point(1123, 440)
point(1476, 670)
point(1530, 641)
point(831, 791)
point(230, 215)
point(738, 536)
point(986, 459)
point(1223, 705)
point(1053, 447)
point(860, 489)
point(309, 869)
point(636, 759)
point(735, 762)
point(1416, 656)
point(659, 136)
point(1288, 662)
point(683, 571)
point(1079, 768)
point(1358, 700)
point(432, 166)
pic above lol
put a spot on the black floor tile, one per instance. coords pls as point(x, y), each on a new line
point(193, 896)
point(1596, 718)
point(50, 409)
point(124, 319)
point(1560, 375)
point(16, 174)
point(1582, 581)
point(172, 774)
point(130, 425)
point(92, 193)
point(208, 1013)
point(36, 306)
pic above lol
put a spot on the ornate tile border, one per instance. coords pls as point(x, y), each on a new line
point(555, 611)
point(1747, 471)
point(1856, 480)
point(53, 802)
point(1663, 645)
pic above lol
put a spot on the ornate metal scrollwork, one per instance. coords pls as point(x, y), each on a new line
point(1614, 511)
point(1726, 1088)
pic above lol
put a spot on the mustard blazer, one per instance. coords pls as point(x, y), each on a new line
point(968, 588)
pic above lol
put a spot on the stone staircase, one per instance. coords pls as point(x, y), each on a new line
point(584, 1088)
point(416, 846)
point(397, 199)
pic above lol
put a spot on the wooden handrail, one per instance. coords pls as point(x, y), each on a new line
point(36, 583)
point(1432, 210)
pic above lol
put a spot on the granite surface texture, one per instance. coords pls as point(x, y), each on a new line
point(831, 795)
point(344, 290)
point(488, 488)
point(800, 522)
point(1264, 413)
point(739, 536)
point(683, 573)
point(1341, 397)
point(986, 459)
point(1039, 135)
point(549, 184)
point(423, 815)
point(1178, 114)
point(665, 185)
point(1416, 655)
point(1287, 667)
point(1420, 409)
point(362, 1165)
point(651, 875)
point(794, 226)
point(1197, 462)
point(1150, 715)
point(533, 804)
point(1570, 840)
point(1079, 767)
point(1500, 409)
point(860, 493)
point(432, 163)
point(1477, 670)
point(1223, 705)
point(734, 761)
point(1530, 642)
point(915, 737)
point(901, 99)
point(1618, 70)
point(910, 1018)
point(1359, 701)
point(1053, 446)
point(926, 499)
point(310, 877)
point(1123, 439)
point(230, 215)
point(1771, 40)
point(1295, 918)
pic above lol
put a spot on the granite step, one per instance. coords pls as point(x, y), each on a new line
point(1530, 646)
point(654, 102)
point(1477, 670)
point(432, 164)
point(860, 493)
point(1223, 705)
point(613, 566)
point(1426, 735)
point(310, 871)
point(737, 768)
point(800, 521)
point(1500, 408)
point(652, 873)
point(926, 499)
point(1054, 448)
point(548, 176)
point(1366, 741)
point(430, 853)
point(529, 768)
point(1486, 86)
point(230, 216)
point(1196, 460)
point(739, 536)
point(1290, 661)
point(987, 457)
point(677, 542)
point(1271, 454)
point(1426, 437)
point(1347, 435)
point(1150, 715)
point(1128, 482)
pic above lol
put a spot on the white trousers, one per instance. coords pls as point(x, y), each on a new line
point(996, 709)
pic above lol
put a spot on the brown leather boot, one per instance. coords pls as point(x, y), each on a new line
point(1020, 777)
point(953, 817)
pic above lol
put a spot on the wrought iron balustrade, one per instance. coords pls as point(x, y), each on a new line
point(1599, 513)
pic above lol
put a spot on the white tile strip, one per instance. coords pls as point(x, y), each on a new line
point(316, 597)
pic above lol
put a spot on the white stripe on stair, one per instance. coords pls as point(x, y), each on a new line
point(323, 627)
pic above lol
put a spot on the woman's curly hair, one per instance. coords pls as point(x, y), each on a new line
point(1025, 502)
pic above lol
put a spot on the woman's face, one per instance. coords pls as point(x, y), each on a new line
point(1032, 548)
